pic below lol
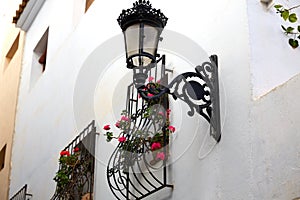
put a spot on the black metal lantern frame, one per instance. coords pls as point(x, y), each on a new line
point(142, 26)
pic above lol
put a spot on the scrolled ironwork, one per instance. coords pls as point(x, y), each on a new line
point(199, 90)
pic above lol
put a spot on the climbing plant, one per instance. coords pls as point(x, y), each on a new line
point(292, 31)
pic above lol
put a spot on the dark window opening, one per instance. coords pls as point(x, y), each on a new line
point(12, 51)
point(40, 51)
point(2, 157)
point(42, 60)
point(88, 3)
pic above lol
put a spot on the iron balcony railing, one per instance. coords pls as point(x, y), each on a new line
point(81, 178)
point(21, 194)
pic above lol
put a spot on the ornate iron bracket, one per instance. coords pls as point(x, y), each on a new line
point(200, 90)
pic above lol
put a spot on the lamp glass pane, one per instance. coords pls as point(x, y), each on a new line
point(132, 39)
point(150, 39)
point(141, 41)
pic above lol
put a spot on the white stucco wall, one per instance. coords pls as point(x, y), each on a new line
point(244, 165)
point(274, 143)
point(272, 59)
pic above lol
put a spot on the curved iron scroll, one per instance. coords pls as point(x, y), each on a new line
point(199, 89)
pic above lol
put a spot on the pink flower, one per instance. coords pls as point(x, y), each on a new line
point(172, 128)
point(160, 155)
point(106, 127)
point(150, 95)
point(158, 81)
point(122, 139)
point(155, 145)
point(124, 118)
point(117, 124)
point(151, 78)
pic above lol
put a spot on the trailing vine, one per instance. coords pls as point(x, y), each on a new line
point(293, 32)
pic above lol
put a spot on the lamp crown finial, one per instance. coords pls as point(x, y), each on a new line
point(142, 11)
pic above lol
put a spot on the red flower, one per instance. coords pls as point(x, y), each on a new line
point(63, 153)
point(172, 128)
point(160, 155)
point(155, 145)
point(76, 149)
point(150, 95)
point(106, 127)
point(122, 139)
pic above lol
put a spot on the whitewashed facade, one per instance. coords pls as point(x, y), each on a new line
point(258, 156)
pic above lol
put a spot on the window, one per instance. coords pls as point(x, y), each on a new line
point(2, 157)
point(88, 3)
point(39, 60)
point(41, 50)
point(12, 51)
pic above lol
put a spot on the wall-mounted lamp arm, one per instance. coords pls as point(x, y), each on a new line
point(200, 90)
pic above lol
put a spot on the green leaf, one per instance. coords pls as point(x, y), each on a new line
point(293, 18)
point(283, 27)
point(278, 6)
point(289, 29)
point(285, 14)
point(294, 43)
point(298, 28)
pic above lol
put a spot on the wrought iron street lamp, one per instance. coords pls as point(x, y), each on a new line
point(142, 26)
point(131, 170)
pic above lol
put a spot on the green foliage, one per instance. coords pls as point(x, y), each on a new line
point(292, 32)
point(289, 30)
point(109, 136)
point(293, 18)
point(278, 6)
point(293, 43)
point(285, 14)
point(64, 174)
